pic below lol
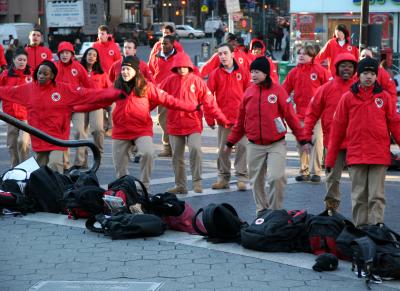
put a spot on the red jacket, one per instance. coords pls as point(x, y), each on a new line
point(213, 63)
point(331, 50)
point(366, 118)
point(303, 81)
point(49, 107)
point(262, 116)
point(3, 62)
point(190, 89)
point(160, 67)
point(109, 53)
point(99, 80)
point(228, 89)
point(13, 77)
point(131, 116)
point(73, 73)
point(387, 83)
point(274, 67)
point(37, 54)
point(115, 70)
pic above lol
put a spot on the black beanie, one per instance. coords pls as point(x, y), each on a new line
point(131, 61)
point(261, 64)
point(326, 262)
point(368, 64)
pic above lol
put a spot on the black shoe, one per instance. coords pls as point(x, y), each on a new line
point(302, 178)
point(315, 179)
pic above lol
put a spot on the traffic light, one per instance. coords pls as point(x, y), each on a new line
point(183, 2)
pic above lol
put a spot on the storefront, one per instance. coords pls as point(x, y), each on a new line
point(314, 21)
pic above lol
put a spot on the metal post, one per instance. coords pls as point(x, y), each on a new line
point(263, 21)
point(183, 15)
point(364, 24)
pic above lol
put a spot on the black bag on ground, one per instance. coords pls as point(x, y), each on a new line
point(277, 231)
point(84, 201)
point(9, 182)
point(126, 225)
point(220, 221)
point(80, 178)
point(166, 204)
point(47, 187)
point(16, 202)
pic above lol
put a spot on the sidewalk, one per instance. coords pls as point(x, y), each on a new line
point(59, 249)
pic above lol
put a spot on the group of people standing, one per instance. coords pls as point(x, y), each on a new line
point(242, 96)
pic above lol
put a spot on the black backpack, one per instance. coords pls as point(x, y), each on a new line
point(127, 225)
point(47, 187)
point(220, 221)
point(13, 185)
point(17, 202)
point(166, 204)
point(277, 231)
point(84, 201)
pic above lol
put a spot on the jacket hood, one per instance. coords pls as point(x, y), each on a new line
point(345, 57)
point(257, 40)
point(65, 46)
point(182, 60)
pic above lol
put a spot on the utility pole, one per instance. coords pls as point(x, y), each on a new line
point(263, 22)
point(364, 24)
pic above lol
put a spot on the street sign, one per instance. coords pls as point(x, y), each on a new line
point(232, 6)
point(204, 8)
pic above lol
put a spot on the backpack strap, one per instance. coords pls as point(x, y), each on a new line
point(194, 222)
point(363, 256)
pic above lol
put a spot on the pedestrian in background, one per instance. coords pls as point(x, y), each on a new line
point(37, 52)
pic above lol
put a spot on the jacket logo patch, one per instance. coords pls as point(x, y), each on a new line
point(111, 52)
point(192, 88)
point(379, 102)
point(349, 48)
point(28, 79)
point(43, 55)
point(259, 221)
point(272, 98)
point(56, 96)
point(239, 76)
point(313, 76)
point(240, 60)
point(74, 72)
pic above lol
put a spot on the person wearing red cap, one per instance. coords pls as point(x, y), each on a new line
point(262, 116)
point(18, 141)
point(303, 81)
point(186, 127)
point(70, 71)
point(366, 116)
point(322, 107)
point(37, 52)
point(49, 105)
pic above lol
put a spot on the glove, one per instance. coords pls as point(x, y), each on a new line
point(328, 169)
point(198, 107)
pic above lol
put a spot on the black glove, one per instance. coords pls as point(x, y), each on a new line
point(198, 107)
point(328, 169)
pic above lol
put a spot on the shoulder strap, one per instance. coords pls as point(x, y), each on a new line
point(194, 223)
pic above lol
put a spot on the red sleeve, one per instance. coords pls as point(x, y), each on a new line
point(112, 75)
point(324, 53)
point(3, 62)
point(209, 66)
point(84, 78)
point(388, 84)
point(117, 55)
point(178, 46)
point(338, 131)
point(211, 108)
point(326, 75)
point(96, 97)
point(238, 131)
point(3, 78)
point(288, 83)
point(274, 73)
point(146, 72)
point(17, 94)
point(313, 114)
point(211, 84)
point(290, 116)
point(393, 118)
point(154, 50)
point(158, 96)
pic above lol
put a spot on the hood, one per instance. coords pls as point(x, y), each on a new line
point(182, 60)
point(257, 40)
point(65, 46)
point(345, 57)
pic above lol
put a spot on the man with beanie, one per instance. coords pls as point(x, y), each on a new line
point(323, 106)
point(366, 116)
point(263, 114)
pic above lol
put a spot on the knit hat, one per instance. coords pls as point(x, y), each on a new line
point(261, 64)
point(326, 262)
point(131, 61)
point(367, 64)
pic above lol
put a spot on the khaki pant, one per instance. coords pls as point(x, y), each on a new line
point(162, 121)
point(271, 157)
point(178, 143)
point(333, 178)
point(224, 162)
point(367, 193)
point(18, 143)
point(312, 163)
point(53, 159)
point(120, 153)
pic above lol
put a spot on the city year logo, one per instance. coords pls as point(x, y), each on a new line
point(240, 61)
point(272, 98)
point(349, 48)
point(43, 55)
point(239, 76)
point(56, 96)
point(111, 52)
point(74, 72)
point(313, 76)
point(192, 88)
point(379, 102)
point(28, 79)
point(259, 221)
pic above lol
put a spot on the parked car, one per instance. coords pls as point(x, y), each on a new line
point(188, 31)
point(130, 31)
point(211, 26)
point(19, 31)
point(154, 33)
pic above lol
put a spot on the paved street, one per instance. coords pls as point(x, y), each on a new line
point(45, 248)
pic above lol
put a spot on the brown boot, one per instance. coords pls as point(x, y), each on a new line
point(197, 188)
point(178, 190)
point(220, 184)
point(242, 186)
point(331, 205)
point(166, 152)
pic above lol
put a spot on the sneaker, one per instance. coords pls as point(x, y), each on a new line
point(331, 205)
point(178, 190)
point(197, 188)
point(315, 179)
point(302, 178)
point(242, 186)
point(165, 153)
point(220, 185)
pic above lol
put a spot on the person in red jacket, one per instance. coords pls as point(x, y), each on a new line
point(340, 43)
point(227, 83)
point(49, 105)
point(262, 115)
point(37, 52)
point(108, 50)
point(365, 116)
point(160, 66)
point(70, 71)
point(99, 79)
point(257, 49)
point(303, 81)
point(3, 61)
point(166, 30)
point(185, 127)
point(18, 141)
point(323, 106)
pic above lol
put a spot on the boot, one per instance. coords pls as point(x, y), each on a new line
point(178, 190)
point(242, 186)
point(220, 184)
point(197, 188)
point(166, 152)
point(331, 205)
